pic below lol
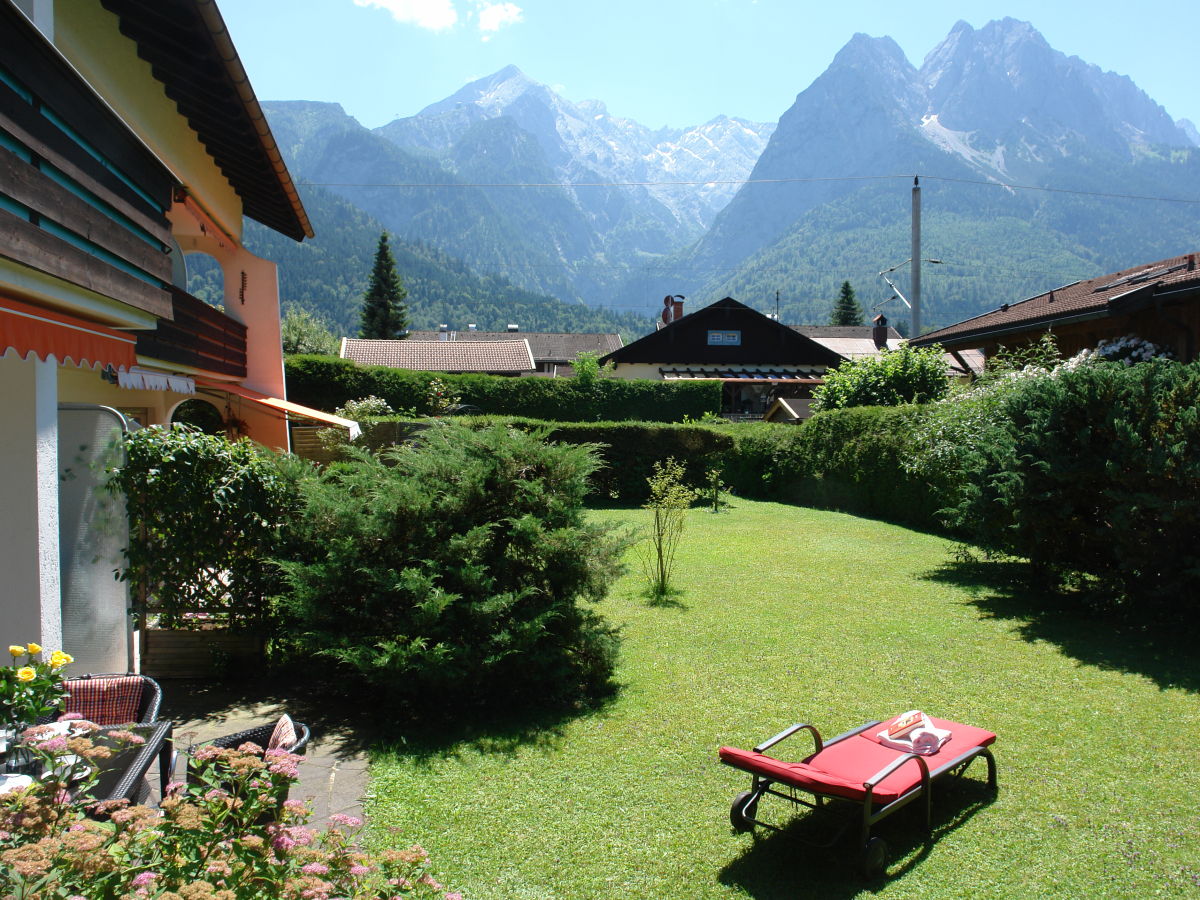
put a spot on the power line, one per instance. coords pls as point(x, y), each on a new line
point(748, 181)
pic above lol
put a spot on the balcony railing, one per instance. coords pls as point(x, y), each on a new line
point(198, 335)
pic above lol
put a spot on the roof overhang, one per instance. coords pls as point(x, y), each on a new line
point(190, 52)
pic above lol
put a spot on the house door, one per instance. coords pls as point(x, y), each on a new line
point(92, 530)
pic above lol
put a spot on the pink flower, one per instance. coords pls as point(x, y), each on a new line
point(315, 868)
point(70, 717)
point(143, 879)
point(55, 745)
point(360, 870)
point(344, 820)
point(454, 895)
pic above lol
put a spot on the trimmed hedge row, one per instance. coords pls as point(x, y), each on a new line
point(845, 459)
point(326, 383)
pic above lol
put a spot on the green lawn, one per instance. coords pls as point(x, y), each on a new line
point(791, 615)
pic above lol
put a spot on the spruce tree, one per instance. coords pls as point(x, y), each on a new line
point(846, 310)
point(384, 314)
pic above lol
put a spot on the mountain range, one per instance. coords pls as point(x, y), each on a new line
point(1037, 169)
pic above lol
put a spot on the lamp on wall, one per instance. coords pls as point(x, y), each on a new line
point(108, 374)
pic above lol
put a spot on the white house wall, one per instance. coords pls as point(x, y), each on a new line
point(29, 592)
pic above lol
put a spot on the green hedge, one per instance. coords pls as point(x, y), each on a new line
point(326, 383)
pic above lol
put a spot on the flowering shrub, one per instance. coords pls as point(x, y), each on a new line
point(31, 688)
point(1128, 350)
point(226, 834)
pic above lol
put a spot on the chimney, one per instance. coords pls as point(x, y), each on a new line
point(443, 332)
point(879, 331)
point(471, 326)
point(513, 328)
point(672, 308)
point(1191, 262)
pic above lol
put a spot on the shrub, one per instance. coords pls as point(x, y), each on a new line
point(1096, 471)
point(904, 375)
point(204, 514)
point(455, 568)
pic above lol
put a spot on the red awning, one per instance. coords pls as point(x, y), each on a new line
point(44, 333)
point(286, 406)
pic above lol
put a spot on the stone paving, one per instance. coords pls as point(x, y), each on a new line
point(333, 776)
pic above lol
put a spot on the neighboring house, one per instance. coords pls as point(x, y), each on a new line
point(1156, 301)
point(553, 352)
point(853, 341)
point(511, 357)
point(754, 357)
point(129, 137)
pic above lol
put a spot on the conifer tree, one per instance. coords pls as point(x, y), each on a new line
point(846, 310)
point(384, 314)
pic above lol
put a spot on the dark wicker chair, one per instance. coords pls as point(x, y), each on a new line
point(112, 699)
point(259, 734)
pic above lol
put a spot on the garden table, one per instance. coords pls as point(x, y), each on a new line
point(121, 774)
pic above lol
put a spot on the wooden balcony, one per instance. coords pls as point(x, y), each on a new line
point(197, 335)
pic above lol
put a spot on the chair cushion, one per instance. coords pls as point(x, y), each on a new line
point(284, 735)
point(841, 768)
point(105, 701)
point(962, 739)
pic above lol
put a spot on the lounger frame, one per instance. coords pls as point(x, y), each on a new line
point(745, 806)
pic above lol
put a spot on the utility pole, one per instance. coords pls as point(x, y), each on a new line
point(915, 289)
point(776, 304)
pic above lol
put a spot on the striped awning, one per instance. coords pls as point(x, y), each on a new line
point(46, 333)
point(281, 405)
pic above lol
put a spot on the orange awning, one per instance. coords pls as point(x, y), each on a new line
point(44, 332)
point(286, 406)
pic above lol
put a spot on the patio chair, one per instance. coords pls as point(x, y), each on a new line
point(113, 699)
point(857, 768)
point(259, 734)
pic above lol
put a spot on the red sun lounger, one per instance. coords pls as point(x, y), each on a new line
point(855, 767)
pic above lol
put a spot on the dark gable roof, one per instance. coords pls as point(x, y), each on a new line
point(1116, 294)
point(190, 52)
point(763, 341)
point(547, 346)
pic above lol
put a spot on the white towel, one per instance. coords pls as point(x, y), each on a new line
point(928, 741)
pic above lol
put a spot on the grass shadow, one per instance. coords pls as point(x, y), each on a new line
point(789, 864)
point(1012, 591)
point(349, 720)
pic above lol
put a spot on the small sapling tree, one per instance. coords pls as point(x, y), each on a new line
point(668, 504)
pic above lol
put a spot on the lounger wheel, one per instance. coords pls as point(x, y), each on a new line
point(739, 811)
point(874, 857)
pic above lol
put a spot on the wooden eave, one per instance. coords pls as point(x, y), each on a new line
point(189, 50)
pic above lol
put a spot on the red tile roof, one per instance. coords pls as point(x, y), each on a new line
point(497, 357)
point(547, 346)
point(1092, 299)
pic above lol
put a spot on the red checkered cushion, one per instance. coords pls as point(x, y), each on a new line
point(105, 701)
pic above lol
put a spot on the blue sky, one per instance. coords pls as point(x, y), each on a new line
point(663, 62)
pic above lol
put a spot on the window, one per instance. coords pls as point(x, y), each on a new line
point(724, 339)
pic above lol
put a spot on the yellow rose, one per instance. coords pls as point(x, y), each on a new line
point(26, 673)
point(34, 648)
point(16, 649)
point(58, 659)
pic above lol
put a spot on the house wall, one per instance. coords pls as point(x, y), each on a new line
point(29, 598)
point(89, 36)
point(638, 370)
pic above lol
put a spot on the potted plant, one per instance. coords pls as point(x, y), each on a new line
point(32, 687)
